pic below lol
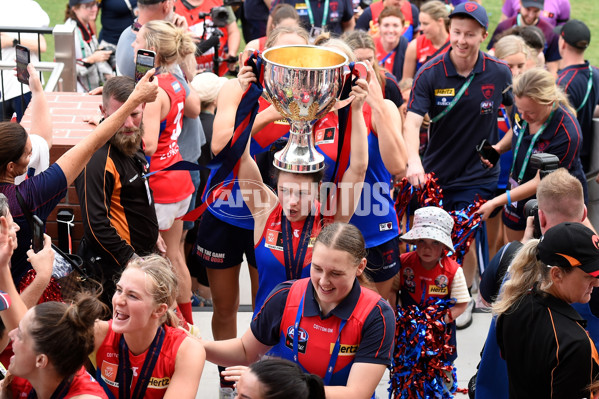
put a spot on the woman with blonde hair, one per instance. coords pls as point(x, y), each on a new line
point(542, 338)
point(143, 335)
point(162, 122)
point(545, 122)
point(434, 40)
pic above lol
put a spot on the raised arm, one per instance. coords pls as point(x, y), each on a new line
point(386, 122)
point(74, 160)
point(154, 113)
point(353, 178)
point(249, 177)
point(41, 124)
point(409, 63)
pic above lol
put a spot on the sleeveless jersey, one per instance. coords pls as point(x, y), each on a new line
point(167, 150)
point(317, 336)
point(107, 362)
point(381, 54)
point(82, 384)
point(375, 214)
point(270, 258)
point(196, 26)
point(416, 280)
point(425, 50)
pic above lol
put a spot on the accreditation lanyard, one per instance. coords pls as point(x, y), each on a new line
point(530, 147)
point(324, 15)
point(589, 87)
point(382, 62)
point(60, 392)
point(125, 374)
point(294, 263)
point(333, 360)
point(455, 99)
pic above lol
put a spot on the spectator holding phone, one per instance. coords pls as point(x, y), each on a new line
point(545, 122)
point(92, 68)
point(41, 193)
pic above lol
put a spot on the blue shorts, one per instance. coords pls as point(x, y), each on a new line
point(460, 197)
point(383, 261)
point(221, 245)
point(513, 216)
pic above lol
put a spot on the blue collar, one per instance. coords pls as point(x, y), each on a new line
point(342, 311)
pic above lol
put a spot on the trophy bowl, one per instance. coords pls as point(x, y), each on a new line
point(303, 83)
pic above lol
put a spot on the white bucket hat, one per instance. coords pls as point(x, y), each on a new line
point(432, 223)
point(208, 85)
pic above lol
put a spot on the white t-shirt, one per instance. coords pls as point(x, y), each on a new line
point(40, 157)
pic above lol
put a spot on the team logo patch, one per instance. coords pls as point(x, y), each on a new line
point(486, 107)
point(470, 7)
point(176, 87)
point(302, 339)
point(109, 373)
point(325, 136)
point(274, 240)
point(488, 90)
point(344, 350)
point(385, 226)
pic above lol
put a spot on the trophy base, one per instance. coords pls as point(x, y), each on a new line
point(312, 162)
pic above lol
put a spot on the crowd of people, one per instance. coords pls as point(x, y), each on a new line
point(163, 179)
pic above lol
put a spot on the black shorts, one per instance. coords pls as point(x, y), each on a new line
point(383, 261)
point(220, 245)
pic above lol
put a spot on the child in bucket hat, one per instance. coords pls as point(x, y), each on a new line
point(428, 271)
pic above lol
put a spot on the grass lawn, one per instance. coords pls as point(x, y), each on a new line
point(581, 9)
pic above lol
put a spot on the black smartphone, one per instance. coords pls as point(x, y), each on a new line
point(143, 63)
point(23, 58)
point(486, 150)
point(38, 234)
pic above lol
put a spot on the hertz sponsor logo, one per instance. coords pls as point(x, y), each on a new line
point(345, 350)
point(445, 92)
point(434, 290)
point(161, 383)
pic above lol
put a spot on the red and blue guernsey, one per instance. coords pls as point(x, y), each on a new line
point(375, 214)
point(273, 265)
point(359, 330)
point(417, 283)
point(108, 360)
point(82, 384)
point(167, 150)
point(425, 50)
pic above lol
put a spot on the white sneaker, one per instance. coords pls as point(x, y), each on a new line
point(465, 319)
point(227, 393)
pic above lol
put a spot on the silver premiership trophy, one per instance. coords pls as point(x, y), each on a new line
point(303, 83)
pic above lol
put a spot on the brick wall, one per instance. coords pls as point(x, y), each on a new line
point(68, 111)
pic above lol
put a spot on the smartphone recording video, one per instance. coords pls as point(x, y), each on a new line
point(143, 63)
point(23, 59)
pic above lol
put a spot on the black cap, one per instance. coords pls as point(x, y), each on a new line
point(533, 3)
point(575, 33)
point(472, 10)
point(570, 245)
point(75, 2)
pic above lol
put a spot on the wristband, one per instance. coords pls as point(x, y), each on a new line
point(509, 197)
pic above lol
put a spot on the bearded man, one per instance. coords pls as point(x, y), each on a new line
point(117, 207)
